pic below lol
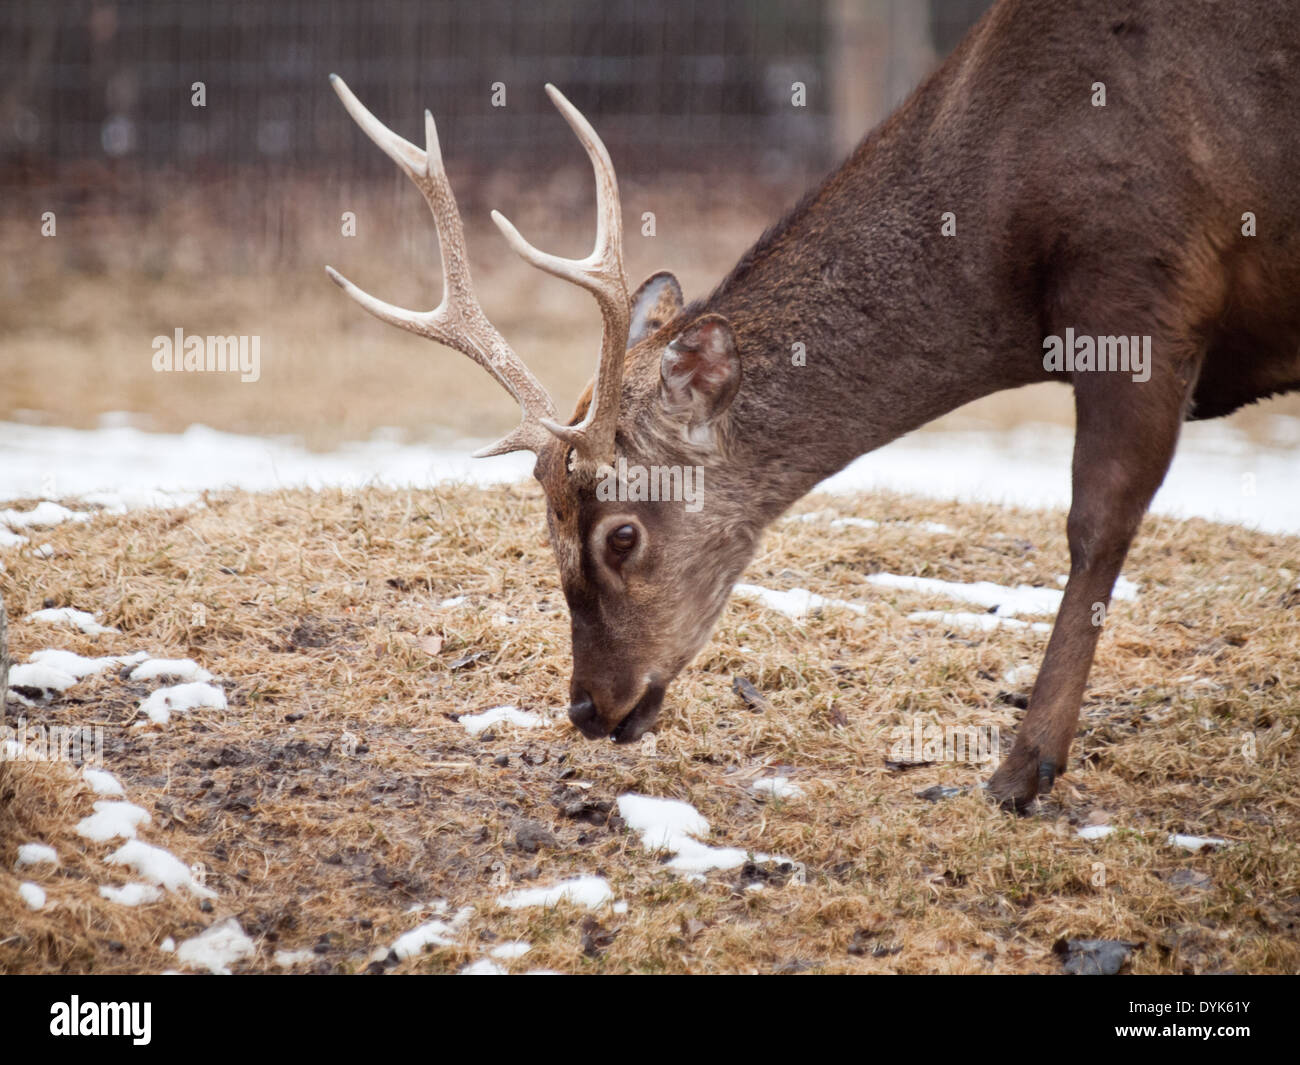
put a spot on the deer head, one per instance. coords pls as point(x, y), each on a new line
point(645, 577)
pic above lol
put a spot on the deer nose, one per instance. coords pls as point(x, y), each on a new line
point(582, 712)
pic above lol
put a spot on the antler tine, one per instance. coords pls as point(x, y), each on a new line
point(458, 321)
point(601, 273)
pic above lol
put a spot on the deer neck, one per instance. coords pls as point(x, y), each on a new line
point(858, 321)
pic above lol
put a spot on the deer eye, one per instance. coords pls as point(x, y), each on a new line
point(622, 539)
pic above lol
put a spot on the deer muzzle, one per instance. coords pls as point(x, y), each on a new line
point(630, 727)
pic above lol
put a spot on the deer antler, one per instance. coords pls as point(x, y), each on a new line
point(600, 273)
point(458, 321)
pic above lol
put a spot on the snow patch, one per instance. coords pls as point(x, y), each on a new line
point(217, 948)
point(777, 788)
point(1125, 589)
point(158, 866)
point(431, 934)
point(79, 666)
point(36, 854)
point(179, 668)
point(672, 825)
point(483, 967)
point(1030, 466)
point(52, 672)
point(119, 466)
point(111, 820)
point(102, 782)
point(182, 697)
point(34, 676)
point(476, 723)
point(1196, 844)
point(1005, 602)
point(45, 515)
point(131, 894)
point(436, 906)
point(1018, 675)
point(32, 894)
point(588, 891)
point(78, 619)
point(287, 958)
point(796, 603)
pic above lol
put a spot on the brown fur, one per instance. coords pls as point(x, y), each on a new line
point(1123, 219)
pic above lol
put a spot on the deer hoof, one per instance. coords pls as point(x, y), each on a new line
point(1018, 781)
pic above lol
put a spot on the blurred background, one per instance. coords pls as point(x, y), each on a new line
point(198, 168)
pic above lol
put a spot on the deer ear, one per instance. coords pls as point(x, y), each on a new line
point(699, 373)
point(657, 301)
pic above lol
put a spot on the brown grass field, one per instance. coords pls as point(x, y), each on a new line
point(323, 618)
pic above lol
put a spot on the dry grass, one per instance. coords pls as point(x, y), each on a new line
point(318, 609)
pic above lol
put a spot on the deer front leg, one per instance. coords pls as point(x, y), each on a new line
point(1125, 439)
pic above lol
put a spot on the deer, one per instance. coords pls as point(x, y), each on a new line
point(1117, 219)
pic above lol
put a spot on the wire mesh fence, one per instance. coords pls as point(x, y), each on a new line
point(206, 86)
